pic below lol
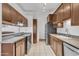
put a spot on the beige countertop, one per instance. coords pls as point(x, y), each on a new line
point(72, 41)
point(14, 39)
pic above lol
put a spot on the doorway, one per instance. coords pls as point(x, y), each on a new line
point(34, 30)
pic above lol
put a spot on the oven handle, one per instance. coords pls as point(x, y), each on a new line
point(72, 49)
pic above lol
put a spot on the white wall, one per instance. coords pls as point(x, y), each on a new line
point(0, 25)
point(30, 25)
point(42, 20)
point(73, 30)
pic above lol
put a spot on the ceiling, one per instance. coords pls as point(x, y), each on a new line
point(38, 8)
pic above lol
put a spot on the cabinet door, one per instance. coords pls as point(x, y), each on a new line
point(60, 13)
point(59, 48)
point(55, 46)
point(18, 51)
point(51, 42)
point(50, 17)
point(6, 14)
point(60, 18)
point(7, 49)
point(18, 48)
point(22, 47)
point(13, 15)
point(67, 10)
point(75, 14)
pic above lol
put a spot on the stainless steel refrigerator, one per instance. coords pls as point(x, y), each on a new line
point(49, 29)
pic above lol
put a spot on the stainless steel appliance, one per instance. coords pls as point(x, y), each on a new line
point(49, 29)
point(70, 50)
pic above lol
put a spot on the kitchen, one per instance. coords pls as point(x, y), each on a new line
point(39, 26)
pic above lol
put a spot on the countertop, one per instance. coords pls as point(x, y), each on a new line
point(72, 41)
point(15, 39)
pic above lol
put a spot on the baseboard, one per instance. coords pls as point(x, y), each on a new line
point(41, 39)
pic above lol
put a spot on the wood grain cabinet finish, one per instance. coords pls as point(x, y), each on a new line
point(50, 18)
point(7, 49)
point(59, 16)
point(9, 14)
point(13, 15)
point(56, 45)
point(66, 11)
point(60, 48)
point(20, 48)
point(13, 49)
point(6, 13)
point(60, 13)
point(75, 14)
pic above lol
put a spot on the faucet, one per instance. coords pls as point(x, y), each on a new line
point(67, 31)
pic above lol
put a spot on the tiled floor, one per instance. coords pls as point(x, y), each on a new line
point(40, 49)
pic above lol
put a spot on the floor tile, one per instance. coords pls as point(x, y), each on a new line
point(40, 49)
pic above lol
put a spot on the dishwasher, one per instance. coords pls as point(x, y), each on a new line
point(70, 50)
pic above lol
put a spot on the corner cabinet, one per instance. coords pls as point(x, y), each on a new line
point(75, 14)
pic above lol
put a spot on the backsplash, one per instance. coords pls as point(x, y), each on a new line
point(15, 29)
point(9, 28)
point(68, 29)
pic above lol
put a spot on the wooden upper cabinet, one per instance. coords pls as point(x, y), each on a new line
point(54, 17)
point(9, 14)
point(49, 18)
point(13, 15)
point(75, 14)
point(59, 13)
point(64, 11)
point(6, 13)
point(67, 11)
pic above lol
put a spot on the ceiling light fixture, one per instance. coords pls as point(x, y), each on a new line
point(44, 7)
point(44, 4)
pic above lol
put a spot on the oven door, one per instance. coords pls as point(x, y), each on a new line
point(70, 50)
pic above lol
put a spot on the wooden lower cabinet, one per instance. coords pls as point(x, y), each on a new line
point(8, 49)
point(20, 48)
point(13, 49)
point(23, 48)
point(59, 48)
point(56, 45)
